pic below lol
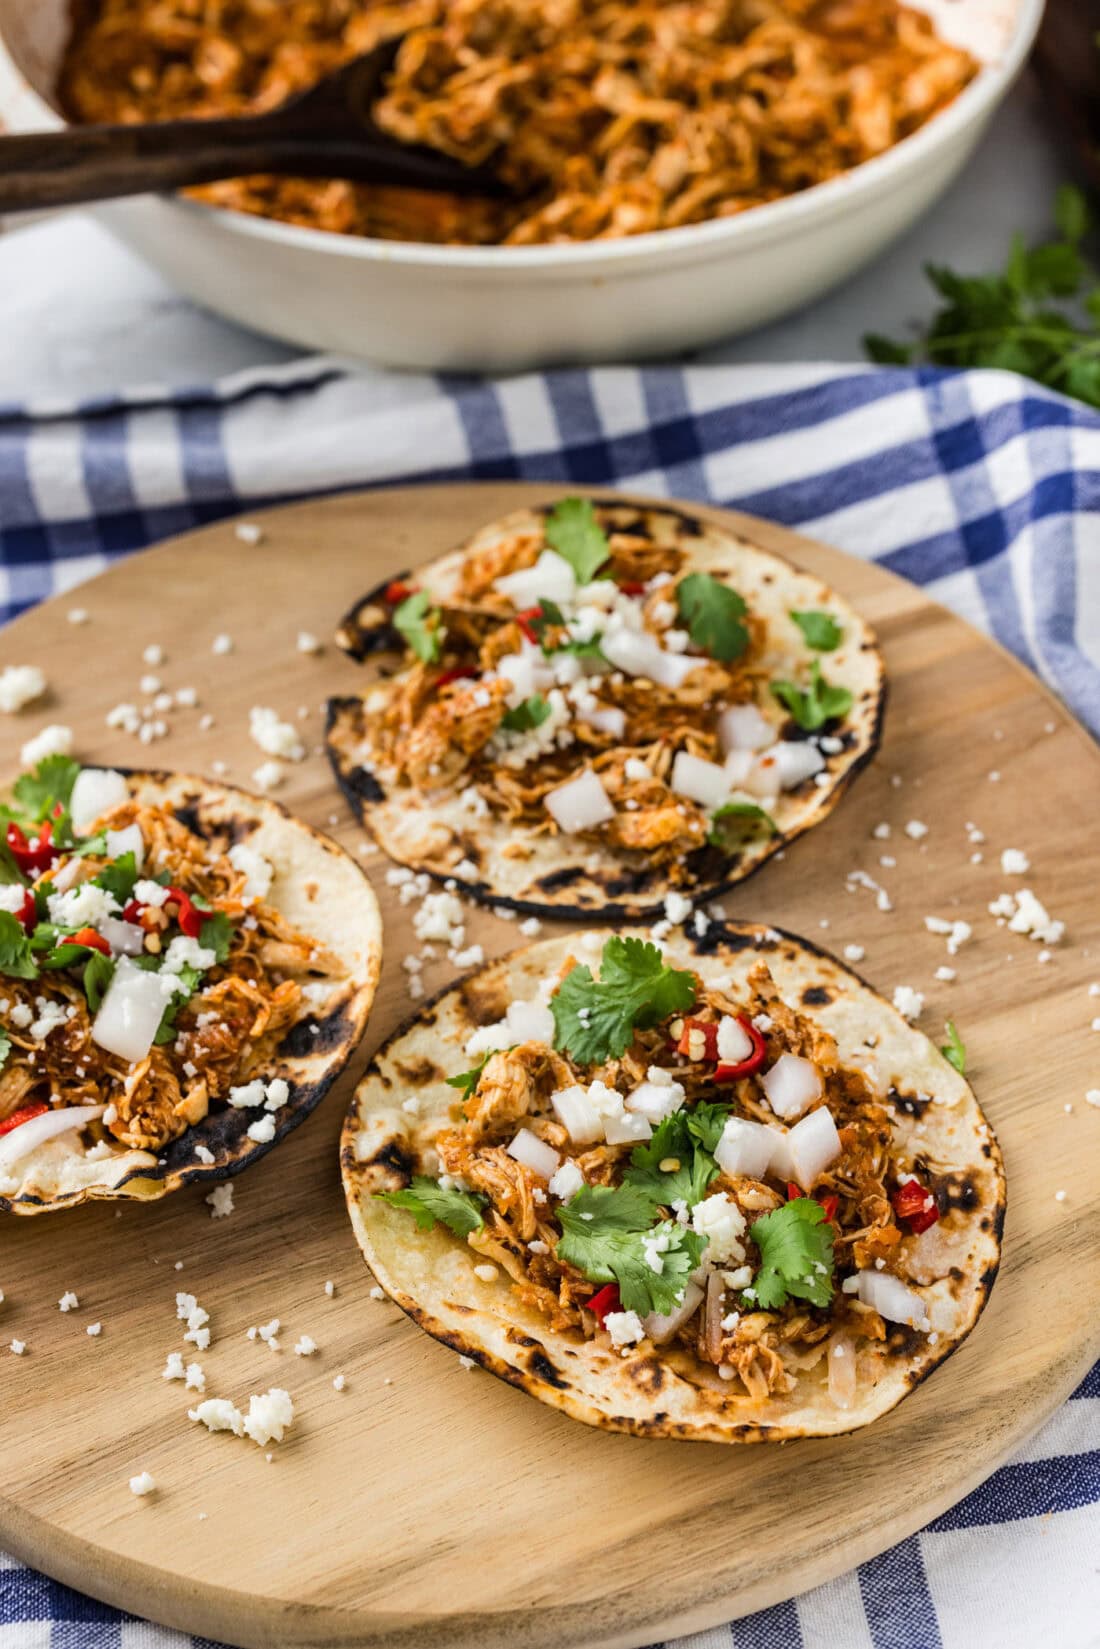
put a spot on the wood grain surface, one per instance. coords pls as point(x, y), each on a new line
point(425, 1504)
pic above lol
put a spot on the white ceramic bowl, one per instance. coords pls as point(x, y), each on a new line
point(507, 308)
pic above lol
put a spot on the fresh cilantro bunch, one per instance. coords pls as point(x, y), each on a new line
point(796, 1256)
point(1039, 316)
point(713, 615)
point(574, 533)
point(429, 1203)
point(604, 1234)
point(595, 1020)
point(812, 706)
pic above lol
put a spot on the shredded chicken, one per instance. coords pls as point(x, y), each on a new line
point(612, 117)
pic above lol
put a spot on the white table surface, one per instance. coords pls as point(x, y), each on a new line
point(82, 316)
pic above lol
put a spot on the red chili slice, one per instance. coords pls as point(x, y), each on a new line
point(32, 859)
point(631, 587)
point(710, 1039)
point(606, 1301)
point(189, 918)
point(17, 1118)
point(732, 1073)
point(829, 1203)
point(29, 913)
point(397, 592)
point(915, 1204)
point(458, 672)
point(90, 939)
point(524, 620)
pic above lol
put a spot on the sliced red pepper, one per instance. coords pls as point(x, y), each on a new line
point(132, 912)
point(458, 672)
point(606, 1301)
point(829, 1203)
point(397, 592)
point(709, 1034)
point(915, 1204)
point(90, 939)
point(631, 586)
point(32, 859)
point(732, 1073)
point(188, 916)
point(17, 1118)
point(525, 620)
point(29, 913)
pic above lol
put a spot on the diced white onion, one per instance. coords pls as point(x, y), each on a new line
point(812, 1145)
point(129, 840)
point(781, 1165)
point(579, 804)
point(842, 1370)
point(738, 765)
point(131, 1011)
point(29, 1135)
point(742, 727)
point(638, 653)
point(530, 1022)
point(628, 1129)
point(889, 1296)
point(124, 938)
point(797, 761)
point(746, 1148)
point(534, 1153)
point(577, 1115)
point(699, 780)
point(96, 791)
point(520, 669)
point(610, 720)
point(733, 1041)
point(762, 779)
point(550, 579)
point(791, 1084)
point(655, 1100)
point(662, 1327)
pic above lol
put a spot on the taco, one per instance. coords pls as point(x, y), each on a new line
point(724, 1193)
point(184, 971)
point(597, 705)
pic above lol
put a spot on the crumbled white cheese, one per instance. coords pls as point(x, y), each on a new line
point(854, 953)
point(262, 1130)
point(915, 829)
point(249, 532)
point(908, 1002)
point(625, 1328)
point(256, 870)
point(68, 1301)
point(566, 1181)
point(52, 741)
point(268, 776)
point(220, 1201)
point(1025, 914)
point(1014, 862)
point(144, 1483)
point(305, 1346)
point(83, 906)
point(440, 916)
point(719, 1219)
point(20, 684)
point(218, 1414)
point(274, 737)
point(222, 645)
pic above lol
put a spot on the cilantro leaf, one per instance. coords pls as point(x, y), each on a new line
point(706, 1122)
point(216, 934)
point(712, 613)
point(604, 1231)
point(118, 878)
point(15, 949)
point(189, 980)
point(735, 823)
point(673, 1141)
point(1008, 319)
point(420, 625)
point(954, 1050)
point(794, 1241)
point(428, 1202)
point(52, 781)
point(821, 630)
point(813, 706)
point(526, 716)
point(5, 1048)
point(573, 531)
point(595, 1020)
point(9, 870)
point(467, 1081)
point(98, 972)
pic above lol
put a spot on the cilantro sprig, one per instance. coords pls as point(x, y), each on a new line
point(712, 614)
point(820, 630)
point(16, 957)
point(604, 1234)
point(52, 781)
point(954, 1049)
point(735, 823)
point(421, 626)
point(467, 1081)
point(595, 1019)
point(573, 531)
point(811, 707)
point(796, 1256)
point(676, 1140)
point(550, 616)
point(1040, 315)
point(528, 715)
point(429, 1203)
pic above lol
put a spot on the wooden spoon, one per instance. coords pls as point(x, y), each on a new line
point(328, 131)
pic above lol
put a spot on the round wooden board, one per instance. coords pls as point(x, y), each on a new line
point(429, 1504)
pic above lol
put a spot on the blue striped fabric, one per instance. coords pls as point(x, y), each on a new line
point(980, 487)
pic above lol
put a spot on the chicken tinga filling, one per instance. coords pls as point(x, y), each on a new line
point(143, 975)
point(650, 1159)
point(579, 678)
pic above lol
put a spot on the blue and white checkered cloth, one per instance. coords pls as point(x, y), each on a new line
point(980, 487)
